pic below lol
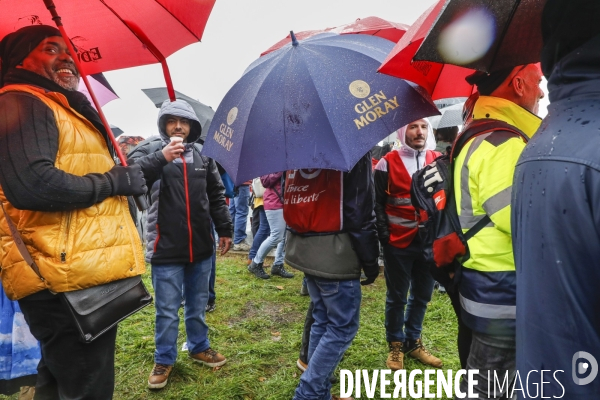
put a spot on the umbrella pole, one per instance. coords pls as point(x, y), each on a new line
point(156, 53)
point(140, 200)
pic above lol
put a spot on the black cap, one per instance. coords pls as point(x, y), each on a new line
point(487, 83)
point(16, 46)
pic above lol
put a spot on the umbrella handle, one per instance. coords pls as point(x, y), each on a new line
point(140, 201)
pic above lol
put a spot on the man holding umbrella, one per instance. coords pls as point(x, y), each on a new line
point(186, 193)
point(61, 188)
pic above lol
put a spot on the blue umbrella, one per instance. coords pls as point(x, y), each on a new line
point(317, 103)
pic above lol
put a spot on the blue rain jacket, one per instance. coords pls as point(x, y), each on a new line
point(556, 233)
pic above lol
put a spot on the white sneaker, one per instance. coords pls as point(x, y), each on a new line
point(242, 246)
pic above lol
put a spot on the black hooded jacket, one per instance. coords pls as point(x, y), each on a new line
point(185, 195)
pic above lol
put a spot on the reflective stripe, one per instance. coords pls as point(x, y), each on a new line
point(399, 201)
point(490, 311)
point(469, 221)
point(466, 202)
point(498, 201)
point(402, 221)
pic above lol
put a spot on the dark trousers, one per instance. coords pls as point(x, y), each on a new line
point(405, 270)
point(69, 368)
point(465, 335)
point(308, 322)
point(255, 220)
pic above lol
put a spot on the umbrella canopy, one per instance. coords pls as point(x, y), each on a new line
point(203, 112)
point(439, 79)
point(451, 116)
point(487, 35)
point(116, 131)
point(104, 92)
point(100, 32)
point(317, 103)
point(375, 26)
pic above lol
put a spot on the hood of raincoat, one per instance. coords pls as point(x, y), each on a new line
point(179, 108)
point(404, 149)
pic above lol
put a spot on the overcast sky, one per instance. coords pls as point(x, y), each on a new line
point(235, 35)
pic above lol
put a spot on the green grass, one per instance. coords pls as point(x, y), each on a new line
point(258, 327)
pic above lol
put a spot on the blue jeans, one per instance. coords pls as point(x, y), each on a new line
point(238, 208)
point(262, 233)
point(168, 281)
point(492, 353)
point(336, 312)
point(404, 269)
point(276, 238)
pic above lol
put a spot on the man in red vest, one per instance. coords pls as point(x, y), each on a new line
point(397, 226)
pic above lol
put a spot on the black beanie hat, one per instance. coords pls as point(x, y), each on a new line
point(566, 25)
point(487, 83)
point(16, 46)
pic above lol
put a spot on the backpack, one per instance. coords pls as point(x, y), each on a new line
point(257, 188)
point(432, 193)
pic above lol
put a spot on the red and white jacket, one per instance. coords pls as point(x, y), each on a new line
point(397, 219)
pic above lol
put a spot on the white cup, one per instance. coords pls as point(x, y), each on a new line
point(176, 139)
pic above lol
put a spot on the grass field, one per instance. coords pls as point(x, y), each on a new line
point(258, 326)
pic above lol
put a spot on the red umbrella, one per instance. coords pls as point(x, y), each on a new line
point(375, 26)
point(440, 80)
point(113, 34)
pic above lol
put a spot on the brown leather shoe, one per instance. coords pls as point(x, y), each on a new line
point(159, 376)
point(209, 358)
point(395, 360)
point(420, 353)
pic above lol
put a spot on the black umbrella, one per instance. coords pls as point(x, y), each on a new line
point(116, 130)
point(203, 112)
point(487, 35)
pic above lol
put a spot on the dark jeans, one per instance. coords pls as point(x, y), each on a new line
point(406, 269)
point(255, 219)
point(492, 354)
point(69, 368)
point(262, 233)
point(212, 295)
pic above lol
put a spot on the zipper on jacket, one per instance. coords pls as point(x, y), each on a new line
point(63, 254)
point(187, 206)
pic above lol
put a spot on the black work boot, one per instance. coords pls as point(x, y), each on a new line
point(257, 270)
point(277, 269)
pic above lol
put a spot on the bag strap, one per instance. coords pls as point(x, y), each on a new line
point(20, 245)
point(280, 195)
point(477, 227)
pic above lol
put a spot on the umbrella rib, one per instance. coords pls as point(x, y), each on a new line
point(174, 17)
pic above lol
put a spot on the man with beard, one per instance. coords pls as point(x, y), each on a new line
point(61, 188)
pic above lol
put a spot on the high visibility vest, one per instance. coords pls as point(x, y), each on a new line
point(403, 219)
point(483, 177)
point(313, 200)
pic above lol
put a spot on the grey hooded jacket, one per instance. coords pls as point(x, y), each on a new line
point(185, 195)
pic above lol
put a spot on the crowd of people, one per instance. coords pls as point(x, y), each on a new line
point(525, 190)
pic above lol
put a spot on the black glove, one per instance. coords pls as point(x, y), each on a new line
point(127, 181)
point(371, 272)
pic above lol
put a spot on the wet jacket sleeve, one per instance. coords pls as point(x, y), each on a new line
point(151, 159)
point(271, 181)
point(381, 177)
point(219, 212)
point(359, 216)
point(28, 149)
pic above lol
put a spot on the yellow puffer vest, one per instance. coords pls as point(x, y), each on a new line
point(75, 249)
